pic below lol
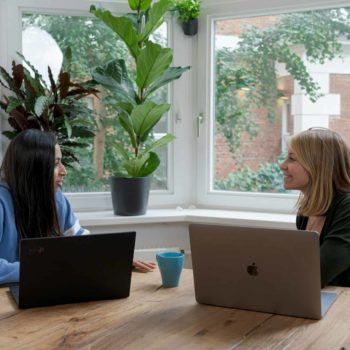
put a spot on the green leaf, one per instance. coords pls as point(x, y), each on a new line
point(139, 5)
point(68, 127)
point(10, 134)
point(2, 83)
point(161, 142)
point(13, 103)
point(53, 85)
point(37, 76)
point(40, 105)
point(152, 62)
point(155, 18)
point(151, 164)
point(11, 84)
point(145, 116)
point(33, 85)
point(114, 76)
point(126, 122)
point(124, 107)
point(121, 150)
point(133, 166)
point(187, 9)
point(171, 74)
point(143, 165)
point(122, 26)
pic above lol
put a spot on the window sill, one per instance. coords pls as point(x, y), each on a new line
point(209, 216)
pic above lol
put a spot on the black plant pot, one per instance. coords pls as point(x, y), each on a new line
point(190, 27)
point(130, 195)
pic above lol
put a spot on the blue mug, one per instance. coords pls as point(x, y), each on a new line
point(170, 267)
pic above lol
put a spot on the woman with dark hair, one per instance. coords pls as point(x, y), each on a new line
point(31, 202)
point(318, 164)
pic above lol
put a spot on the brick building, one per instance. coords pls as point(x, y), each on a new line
point(293, 113)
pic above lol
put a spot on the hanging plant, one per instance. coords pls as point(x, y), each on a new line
point(188, 12)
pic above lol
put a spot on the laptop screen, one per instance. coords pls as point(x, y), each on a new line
point(269, 270)
point(75, 268)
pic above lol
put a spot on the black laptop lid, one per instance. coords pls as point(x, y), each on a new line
point(71, 269)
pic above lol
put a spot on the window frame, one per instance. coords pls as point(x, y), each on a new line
point(206, 197)
point(189, 173)
point(180, 191)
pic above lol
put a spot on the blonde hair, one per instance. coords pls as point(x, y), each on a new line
point(325, 155)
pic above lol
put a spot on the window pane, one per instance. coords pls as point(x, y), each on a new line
point(275, 76)
point(45, 37)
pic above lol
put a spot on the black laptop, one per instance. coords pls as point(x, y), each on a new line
point(74, 269)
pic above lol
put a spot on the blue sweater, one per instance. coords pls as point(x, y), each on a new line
point(9, 264)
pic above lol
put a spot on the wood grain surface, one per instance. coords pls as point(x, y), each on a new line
point(157, 318)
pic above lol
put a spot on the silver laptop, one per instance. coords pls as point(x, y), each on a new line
point(269, 270)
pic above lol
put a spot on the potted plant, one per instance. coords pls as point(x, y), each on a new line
point(56, 107)
point(132, 92)
point(188, 12)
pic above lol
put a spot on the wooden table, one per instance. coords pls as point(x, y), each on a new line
point(157, 318)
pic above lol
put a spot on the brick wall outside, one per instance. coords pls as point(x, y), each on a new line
point(340, 84)
point(267, 145)
point(236, 27)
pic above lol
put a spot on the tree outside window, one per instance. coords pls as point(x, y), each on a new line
point(275, 76)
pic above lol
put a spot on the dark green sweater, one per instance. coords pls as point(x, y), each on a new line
point(334, 242)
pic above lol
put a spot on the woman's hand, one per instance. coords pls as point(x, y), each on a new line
point(144, 266)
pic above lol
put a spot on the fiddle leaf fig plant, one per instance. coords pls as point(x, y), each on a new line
point(132, 91)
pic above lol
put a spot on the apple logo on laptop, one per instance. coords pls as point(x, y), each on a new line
point(252, 269)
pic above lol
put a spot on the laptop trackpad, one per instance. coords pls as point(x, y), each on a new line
point(327, 299)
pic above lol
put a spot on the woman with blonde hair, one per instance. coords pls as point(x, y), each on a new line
point(318, 164)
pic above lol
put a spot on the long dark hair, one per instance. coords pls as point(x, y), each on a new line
point(28, 169)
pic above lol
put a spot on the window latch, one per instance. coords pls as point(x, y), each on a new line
point(200, 119)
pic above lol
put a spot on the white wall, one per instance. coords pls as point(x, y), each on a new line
point(152, 238)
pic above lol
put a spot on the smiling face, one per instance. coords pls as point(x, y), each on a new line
point(295, 175)
point(60, 170)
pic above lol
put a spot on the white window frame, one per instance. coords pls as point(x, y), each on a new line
point(226, 9)
point(190, 152)
point(180, 152)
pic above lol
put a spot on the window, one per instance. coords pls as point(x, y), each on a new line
point(173, 184)
point(44, 39)
point(228, 146)
point(271, 76)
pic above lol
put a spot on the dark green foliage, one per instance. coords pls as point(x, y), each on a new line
point(188, 9)
point(246, 77)
point(84, 178)
point(232, 105)
point(88, 38)
point(56, 108)
point(268, 178)
point(318, 32)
